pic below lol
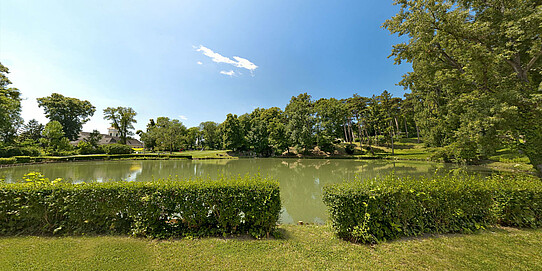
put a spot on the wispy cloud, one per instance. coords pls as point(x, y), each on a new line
point(183, 117)
point(200, 63)
point(238, 62)
point(230, 73)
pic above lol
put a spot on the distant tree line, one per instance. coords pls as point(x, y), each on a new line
point(67, 116)
point(303, 125)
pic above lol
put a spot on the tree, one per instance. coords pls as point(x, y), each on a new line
point(72, 113)
point(32, 130)
point(94, 138)
point(122, 119)
point(54, 139)
point(169, 134)
point(148, 137)
point(476, 71)
point(331, 122)
point(231, 133)
point(10, 108)
point(301, 121)
point(210, 135)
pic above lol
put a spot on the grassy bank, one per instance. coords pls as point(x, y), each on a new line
point(301, 248)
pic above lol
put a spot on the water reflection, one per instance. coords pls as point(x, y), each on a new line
point(301, 180)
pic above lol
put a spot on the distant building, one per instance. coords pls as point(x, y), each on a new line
point(111, 131)
point(111, 137)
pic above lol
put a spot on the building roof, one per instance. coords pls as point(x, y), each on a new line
point(107, 139)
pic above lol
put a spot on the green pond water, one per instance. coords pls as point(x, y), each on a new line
point(301, 180)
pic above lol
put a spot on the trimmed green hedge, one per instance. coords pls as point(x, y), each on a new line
point(166, 208)
point(117, 149)
point(376, 210)
point(6, 161)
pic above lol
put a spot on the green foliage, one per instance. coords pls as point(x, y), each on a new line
point(349, 149)
point(301, 120)
point(54, 140)
point(71, 113)
point(32, 131)
point(210, 135)
point(166, 208)
point(84, 147)
point(117, 149)
point(232, 137)
point(122, 119)
point(7, 161)
point(476, 73)
point(10, 108)
point(10, 151)
point(391, 207)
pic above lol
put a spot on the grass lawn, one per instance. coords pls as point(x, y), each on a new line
point(207, 154)
point(301, 248)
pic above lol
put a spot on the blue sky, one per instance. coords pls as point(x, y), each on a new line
point(176, 58)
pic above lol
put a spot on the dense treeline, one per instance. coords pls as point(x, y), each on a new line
point(67, 116)
point(475, 87)
point(302, 126)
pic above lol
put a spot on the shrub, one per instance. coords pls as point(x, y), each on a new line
point(84, 147)
point(382, 209)
point(23, 159)
point(164, 208)
point(9, 151)
point(117, 149)
point(6, 161)
point(349, 149)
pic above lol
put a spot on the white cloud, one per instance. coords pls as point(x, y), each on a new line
point(200, 63)
point(183, 117)
point(230, 73)
point(238, 62)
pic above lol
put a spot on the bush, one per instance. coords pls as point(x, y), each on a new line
point(117, 149)
point(10, 151)
point(84, 147)
point(161, 209)
point(23, 159)
point(349, 149)
point(370, 211)
point(6, 161)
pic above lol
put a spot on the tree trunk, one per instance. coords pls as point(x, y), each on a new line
point(418, 132)
point(406, 129)
point(533, 148)
point(397, 126)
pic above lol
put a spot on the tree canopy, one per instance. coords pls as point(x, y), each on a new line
point(122, 119)
point(476, 73)
point(71, 113)
point(10, 108)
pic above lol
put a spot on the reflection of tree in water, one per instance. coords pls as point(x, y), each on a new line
point(301, 180)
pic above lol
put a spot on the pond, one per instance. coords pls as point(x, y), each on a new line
point(301, 180)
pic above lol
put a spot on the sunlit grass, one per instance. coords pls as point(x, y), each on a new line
point(300, 248)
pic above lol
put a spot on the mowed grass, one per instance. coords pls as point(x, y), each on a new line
point(207, 154)
point(300, 248)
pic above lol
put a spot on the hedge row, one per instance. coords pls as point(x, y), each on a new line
point(370, 211)
point(166, 208)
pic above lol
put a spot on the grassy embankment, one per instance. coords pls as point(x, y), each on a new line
point(301, 248)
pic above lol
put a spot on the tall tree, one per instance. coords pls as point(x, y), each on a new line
point(210, 135)
point(476, 69)
point(72, 113)
point(232, 137)
point(149, 137)
point(32, 130)
point(301, 121)
point(54, 139)
point(169, 133)
point(122, 119)
point(10, 108)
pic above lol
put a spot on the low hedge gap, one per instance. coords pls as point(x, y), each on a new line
point(165, 208)
point(391, 207)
